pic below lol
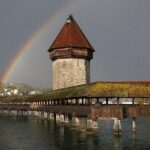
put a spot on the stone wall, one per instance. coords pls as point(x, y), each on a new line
point(70, 72)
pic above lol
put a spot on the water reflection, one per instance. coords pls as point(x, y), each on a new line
point(23, 133)
point(117, 142)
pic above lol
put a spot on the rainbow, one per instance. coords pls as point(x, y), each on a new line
point(11, 67)
point(13, 64)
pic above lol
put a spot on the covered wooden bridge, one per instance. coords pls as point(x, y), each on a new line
point(87, 99)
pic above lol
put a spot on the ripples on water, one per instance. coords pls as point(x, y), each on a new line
point(22, 133)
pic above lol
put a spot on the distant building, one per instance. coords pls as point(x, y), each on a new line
point(34, 92)
point(9, 93)
point(70, 53)
point(5, 90)
point(16, 91)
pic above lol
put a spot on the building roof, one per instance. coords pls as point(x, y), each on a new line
point(131, 89)
point(71, 36)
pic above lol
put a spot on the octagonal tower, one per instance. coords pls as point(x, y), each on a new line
point(70, 53)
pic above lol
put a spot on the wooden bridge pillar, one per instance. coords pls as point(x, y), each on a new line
point(82, 124)
point(51, 116)
point(91, 125)
point(54, 117)
point(75, 122)
point(66, 119)
point(61, 118)
point(45, 115)
point(36, 113)
point(117, 126)
point(57, 118)
point(134, 124)
point(42, 114)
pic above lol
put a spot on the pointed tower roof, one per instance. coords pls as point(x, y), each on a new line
point(71, 36)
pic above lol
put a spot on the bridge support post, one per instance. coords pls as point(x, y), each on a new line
point(6, 112)
point(86, 124)
point(62, 118)
point(66, 119)
point(134, 124)
point(82, 124)
point(57, 118)
point(29, 112)
point(91, 125)
point(25, 113)
point(75, 122)
point(48, 113)
point(45, 115)
point(18, 113)
point(51, 116)
point(36, 113)
point(42, 114)
point(32, 113)
point(39, 114)
point(10, 112)
point(94, 125)
point(117, 126)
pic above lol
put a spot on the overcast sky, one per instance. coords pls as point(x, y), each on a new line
point(119, 30)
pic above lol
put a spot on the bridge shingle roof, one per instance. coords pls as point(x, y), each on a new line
point(131, 89)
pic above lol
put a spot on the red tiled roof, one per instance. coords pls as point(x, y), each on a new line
point(71, 36)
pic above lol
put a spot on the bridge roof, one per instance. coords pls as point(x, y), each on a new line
point(104, 89)
point(132, 89)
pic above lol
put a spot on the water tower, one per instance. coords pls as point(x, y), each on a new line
point(70, 53)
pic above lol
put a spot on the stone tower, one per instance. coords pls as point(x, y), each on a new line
point(70, 54)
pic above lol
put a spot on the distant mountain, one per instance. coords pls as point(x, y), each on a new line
point(22, 85)
point(44, 90)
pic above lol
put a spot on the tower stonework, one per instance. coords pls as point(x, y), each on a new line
point(70, 54)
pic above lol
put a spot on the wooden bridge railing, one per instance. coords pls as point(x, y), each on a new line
point(93, 111)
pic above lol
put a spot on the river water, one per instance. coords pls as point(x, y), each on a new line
point(27, 133)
